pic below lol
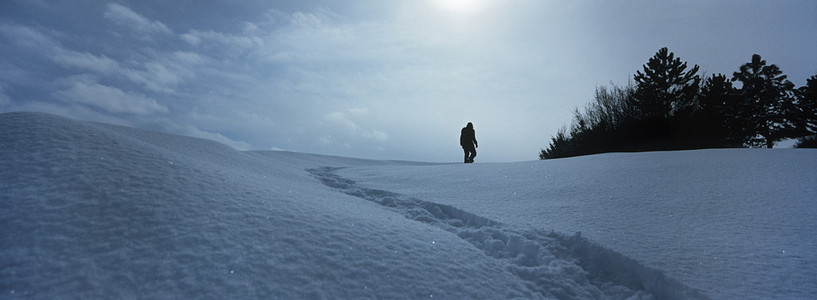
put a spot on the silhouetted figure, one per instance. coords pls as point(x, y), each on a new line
point(468, 141)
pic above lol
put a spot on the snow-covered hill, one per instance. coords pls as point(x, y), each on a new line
point(90, 210)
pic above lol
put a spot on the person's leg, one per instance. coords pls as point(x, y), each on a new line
point(473, 154)
point(466, 154)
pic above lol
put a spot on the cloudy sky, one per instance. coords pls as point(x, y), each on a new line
point(370, 78)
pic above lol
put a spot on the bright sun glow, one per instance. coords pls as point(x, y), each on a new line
point(460, 6)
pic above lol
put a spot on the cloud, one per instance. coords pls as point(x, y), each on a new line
point(5, 100)
point(343, 121)
point(301, 66)
point(233, 45)
point(158, 72)
point(157, 76)
point(190, 58)
point(98, 64)
point(358, 111)
point(329, 140)
point(144, 27)
point(29, 37)
point(85, 90)
point(196, 37)
point(153, 75)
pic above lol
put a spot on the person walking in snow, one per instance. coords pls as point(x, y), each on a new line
point(468, 141)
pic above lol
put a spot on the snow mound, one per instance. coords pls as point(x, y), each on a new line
point(91, 210)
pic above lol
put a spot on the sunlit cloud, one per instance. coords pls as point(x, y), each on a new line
point(343, 120)
point(87, 91)
point(142, 26)
point(86, 61)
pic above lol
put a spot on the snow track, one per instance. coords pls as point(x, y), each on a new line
point(551, 264)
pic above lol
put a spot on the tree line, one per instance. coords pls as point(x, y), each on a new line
point(671, 108)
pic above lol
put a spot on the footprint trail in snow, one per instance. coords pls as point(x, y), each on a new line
point(540, 259)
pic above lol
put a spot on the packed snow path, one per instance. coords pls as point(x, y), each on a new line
point(553, 265)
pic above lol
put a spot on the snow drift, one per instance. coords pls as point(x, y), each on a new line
point(91, 210)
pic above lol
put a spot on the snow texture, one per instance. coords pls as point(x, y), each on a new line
point(90, 210)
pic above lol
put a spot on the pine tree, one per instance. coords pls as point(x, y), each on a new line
point(768, 102)
point(718, 119)
point(807, 106)
point(665, 87)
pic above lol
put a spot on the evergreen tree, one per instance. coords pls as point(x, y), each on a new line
point(601, 127)
point(560, 146)
point(807, 142)
point(807, 106)
point(768, 102)
point(665, 87)
point(718, 119)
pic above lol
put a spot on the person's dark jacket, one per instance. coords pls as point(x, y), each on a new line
point(468, 137)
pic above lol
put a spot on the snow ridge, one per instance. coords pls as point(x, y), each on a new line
point(551, 264)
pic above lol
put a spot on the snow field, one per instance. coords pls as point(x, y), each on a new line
point(91, 210)
point(732, 223)
point(99, 211)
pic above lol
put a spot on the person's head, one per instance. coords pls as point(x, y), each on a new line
point(469, 125)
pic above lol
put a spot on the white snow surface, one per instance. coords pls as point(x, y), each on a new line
point(97, 211)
